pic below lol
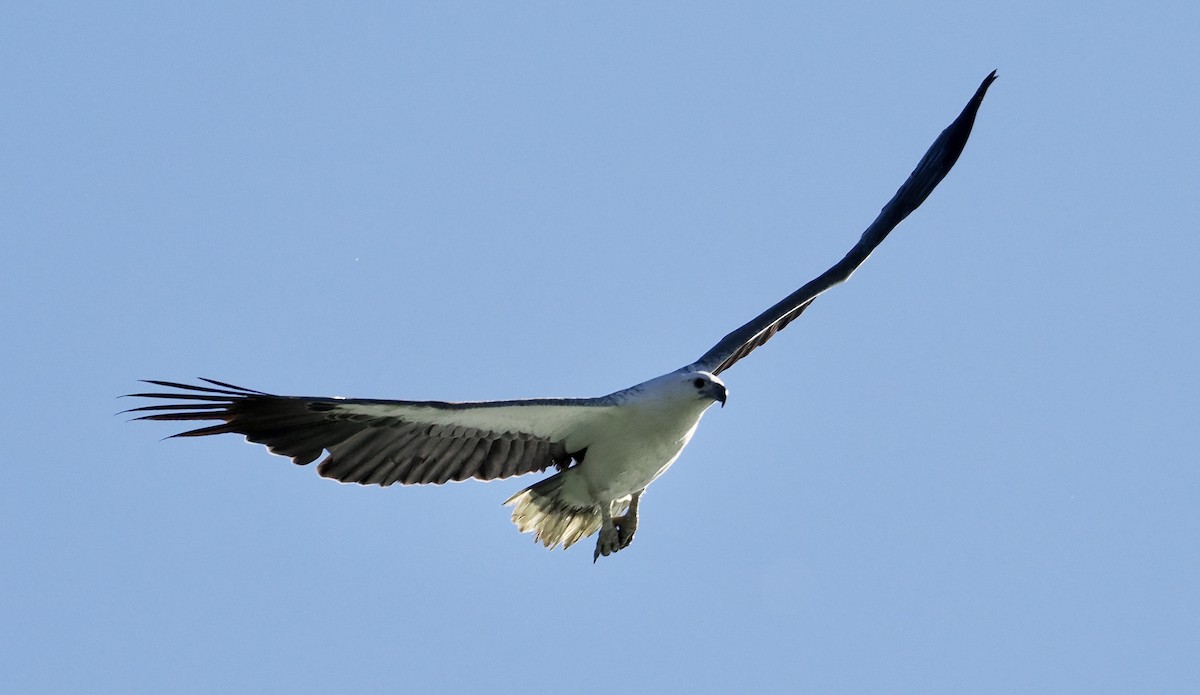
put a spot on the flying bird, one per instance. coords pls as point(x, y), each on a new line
point(606, 450)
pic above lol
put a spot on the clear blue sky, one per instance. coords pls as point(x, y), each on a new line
point(972, 468)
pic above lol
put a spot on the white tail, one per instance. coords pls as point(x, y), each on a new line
point(539, 508)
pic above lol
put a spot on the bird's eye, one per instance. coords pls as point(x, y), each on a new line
point(698, 383)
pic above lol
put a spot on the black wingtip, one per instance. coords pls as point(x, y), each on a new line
point(956, 133)
point(976, 100)
point(940, 158)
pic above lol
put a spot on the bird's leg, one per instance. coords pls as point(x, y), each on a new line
point(610, 539)
point(627, 523)
point(616, 532)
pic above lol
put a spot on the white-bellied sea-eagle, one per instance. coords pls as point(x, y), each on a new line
point(606, 450)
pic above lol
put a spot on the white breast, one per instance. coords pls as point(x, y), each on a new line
point(634, 445)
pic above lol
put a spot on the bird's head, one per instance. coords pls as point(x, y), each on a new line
point(686, 388)
point(706, 386)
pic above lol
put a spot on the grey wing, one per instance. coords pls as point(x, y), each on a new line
point(381, 442)
point(932, 168)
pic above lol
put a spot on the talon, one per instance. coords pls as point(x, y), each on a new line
point(609, 542)
point(616, 532)
point(625, 531)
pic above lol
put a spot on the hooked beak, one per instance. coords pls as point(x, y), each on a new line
point(718, 393)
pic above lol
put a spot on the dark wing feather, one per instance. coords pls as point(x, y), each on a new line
point(381, 442)
point(932, 168)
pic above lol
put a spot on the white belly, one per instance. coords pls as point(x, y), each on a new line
point(629, 453)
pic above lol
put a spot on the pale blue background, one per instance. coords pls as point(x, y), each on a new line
point(970, 469)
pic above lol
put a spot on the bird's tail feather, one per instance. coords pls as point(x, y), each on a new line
point(540, 509)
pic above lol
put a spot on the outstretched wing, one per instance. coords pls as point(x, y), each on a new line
point(381, 442)
point(932, 168)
